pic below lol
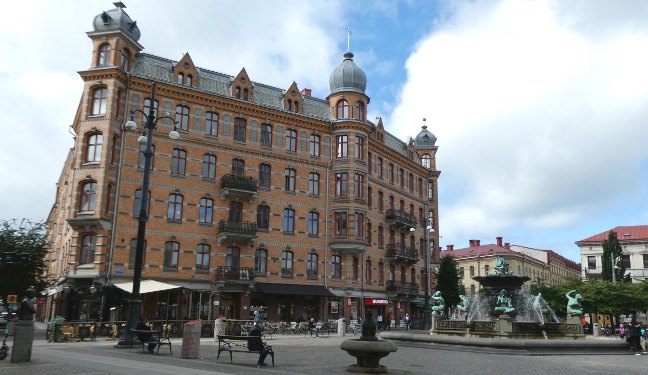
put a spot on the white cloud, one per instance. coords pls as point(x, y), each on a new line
point(540, 118)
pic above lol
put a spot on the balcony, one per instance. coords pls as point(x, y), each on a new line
point(349, 245)
point(394, 288)
point(234, 274)
point(399, 219)
point(236, 231)
point(234, 186)
point(397, 254)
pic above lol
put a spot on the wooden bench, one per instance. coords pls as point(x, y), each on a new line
point(228, 343)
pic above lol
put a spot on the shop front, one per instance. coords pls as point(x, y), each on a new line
point(292, 302)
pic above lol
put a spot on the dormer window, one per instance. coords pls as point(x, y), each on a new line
point(188, 81)
point(180, 78)
point(245, 94)
point(237, 92)
point(296, 107)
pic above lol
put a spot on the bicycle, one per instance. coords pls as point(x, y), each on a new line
point(4, 349)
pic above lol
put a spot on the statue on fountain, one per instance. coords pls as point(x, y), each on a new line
point(574, 304)
point(501, 268)
point(439, 309)
point(539, 304)
point(503, 304)
point(464, 306)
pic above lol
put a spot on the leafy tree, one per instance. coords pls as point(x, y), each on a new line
point(612, 250)
point(22, 237)
point(448, 281)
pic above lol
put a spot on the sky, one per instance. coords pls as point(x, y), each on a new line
point(540, 107)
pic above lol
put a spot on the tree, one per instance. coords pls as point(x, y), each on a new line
point(22, 237)
point(448, 281)
point(612, 250)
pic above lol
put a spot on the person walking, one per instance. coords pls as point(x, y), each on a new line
point(388, 320)
point(379, 321)
point(408, 322)
point(635, 336)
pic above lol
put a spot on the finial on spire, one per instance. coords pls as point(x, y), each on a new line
point(348, 39)
point(119, 4)
point(424, 125)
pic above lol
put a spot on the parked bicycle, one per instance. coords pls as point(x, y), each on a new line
point(4, 349)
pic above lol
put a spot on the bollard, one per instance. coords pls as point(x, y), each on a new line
point(191, 339)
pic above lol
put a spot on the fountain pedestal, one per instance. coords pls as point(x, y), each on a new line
point(504, 325)
point(368, 350)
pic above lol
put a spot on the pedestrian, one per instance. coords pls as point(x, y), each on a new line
point(258, 318)
point(258, 345)
point(379, 321)
point(408, 322)
point(312, 327)
point(635, 336)
point(388, 320)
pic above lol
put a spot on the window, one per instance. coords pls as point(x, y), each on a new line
point(392, 273)
point(174, 211)
point(142, 157)
point(369, 198)
point(239, 129)
point(238, 167)
point(313, 223)
point(182, 117)
point(99, 97)
point(311, 265)
point(289, 175)
point(289, 105)
point(342, 110)
point(289, 220)
point(380, 167)
point(342, 146)
point(472, 271)
point(313, 184)
point(402, 274)
point(340, 184)
point(390, 171)
point(88, 247)
point(412, 276)
point(104, 55)
point(138, 203)
point(472, 290)
point(381, 272)
point(108, 205)
point(211, 123)
point(355, 268)
point(381, 236)
point(359, 148)
point(340, 224)
point(402, 178)
point(645, 261)
point(286, 262)
point(461, 272)
point(202, 257)
point(237, 92)
point(245, 94)
point(178, 161)
point(88, 196)
point(314, 145)
point(626, 261)
point(206, 210)
point(266, 135)
point(188, 80)
point(232, 257)
point(410, 181)
point(358, 225)
point(264, 175)
point(147, 108)
point(486, 269)
point(171, 252)
point(132, 253)
point(236, 212)
point(369, 239)
point(370, 162)
point(291, 140)
point(359, 109)
point(591, 262)
point(263, 216)
point(95, 145)
point(430, 189)
point(381, 204)
point(368, 271)
point(420, 187)
point(180, 78)
point(118, 106)
point(336, 267)
point(425, 160)
point(431, 218)
point(358, 185)
point(209, 166)
point(260, 260)
point(296, 106)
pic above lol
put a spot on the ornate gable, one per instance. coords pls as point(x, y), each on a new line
point(293, 100)
point(241, 87)
point(185, 72)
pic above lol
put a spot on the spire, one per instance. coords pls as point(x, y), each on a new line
point(348, 39)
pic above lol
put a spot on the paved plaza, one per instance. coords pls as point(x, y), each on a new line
point(305, 355)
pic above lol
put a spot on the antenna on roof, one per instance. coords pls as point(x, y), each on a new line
point(348, 39)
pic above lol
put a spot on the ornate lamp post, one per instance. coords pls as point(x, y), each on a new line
point(135, 301)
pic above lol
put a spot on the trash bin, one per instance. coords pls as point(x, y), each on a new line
point(596, 329)
point(191, 339)
point(341, 327)
point(219, 327)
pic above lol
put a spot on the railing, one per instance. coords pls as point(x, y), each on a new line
point(401, 216)
point(401, 287)
point(230, 273)
point(398, 251)
point(233, 181)
point(237, 227)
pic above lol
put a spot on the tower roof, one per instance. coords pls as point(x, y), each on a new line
point(348, 77)
point(117, 19)
point(425, 138)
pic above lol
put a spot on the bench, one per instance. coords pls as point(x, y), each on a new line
point(156, 338)
point(228, 343)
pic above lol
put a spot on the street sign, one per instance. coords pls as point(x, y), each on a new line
point(12, 298)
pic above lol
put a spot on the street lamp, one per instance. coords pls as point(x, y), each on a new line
point(427, 323)
point(135, 301)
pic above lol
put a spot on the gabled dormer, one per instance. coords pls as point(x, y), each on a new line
point(185, 72)
point(410, 149)
point(380, 131)
point(293, 100)
point(241, 86)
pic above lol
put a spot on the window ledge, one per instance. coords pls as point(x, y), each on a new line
point(313, 235)
point(85, 213)
point(168, 269)
point(206, 225)
point(90, 163)
point(287, 276)
point(174, 221)
point(289, 233)
point(177, 175)
point(212, 136)
point(288, 192)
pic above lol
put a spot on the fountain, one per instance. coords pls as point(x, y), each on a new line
point(368, 349)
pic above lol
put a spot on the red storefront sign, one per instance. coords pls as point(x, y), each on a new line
point(376, 301)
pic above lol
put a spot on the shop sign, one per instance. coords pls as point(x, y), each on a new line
point(334, 307)
point(41, 301)
point(376, 301)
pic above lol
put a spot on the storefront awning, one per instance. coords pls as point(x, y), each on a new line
point(294, 289)
point(146, 286)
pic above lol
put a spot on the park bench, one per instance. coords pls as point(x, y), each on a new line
point(158, 338)
point(228, 343)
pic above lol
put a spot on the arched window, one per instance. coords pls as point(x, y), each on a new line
point(180, 78)
point(286, 262)
point(104, 55)
point(290, 176)
point(336, 267)
point(313, 223)
point(260, 260)
point(209, 166)
point(232, 256)
point(99, 96)
point(289, 220)
point(342, 110)
point(237, 92)
point(202, 257)
point(206, 211)
point(88, 247)
point(174, 211)
point(238, 167)
point(289, 105)
point(472, 271)
point(88, 196)
point(266, 135)
point(359, 111)
point(239, 129)
point(178, 161)
point(311, 265)
point(182, 117)
point(314, 145)
point(313, 183)
point(94, 148)
point(245, 94)
point(171, 253)
point(296, 107)
point(425, 160)
point(211, 123)
point(291, 140)
point(189, 79)
point(125, 60)
point(263, 216)
point(264, 175)
point(368, 271)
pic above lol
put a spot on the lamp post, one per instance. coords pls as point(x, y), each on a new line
point(426, 278)
point(135, 301)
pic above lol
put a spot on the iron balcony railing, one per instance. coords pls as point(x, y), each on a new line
point(233, 273)
point(402, 217)
point(233, 181)
point(236, 227)
point(401, 287)
point(396, 251)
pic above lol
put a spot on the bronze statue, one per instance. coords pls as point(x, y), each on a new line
point(501, 268)
point(465, 304)
point(574, 303)
point(27, 310)
point(439, 309)
point(503, 303)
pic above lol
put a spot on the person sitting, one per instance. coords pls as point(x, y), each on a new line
point(146, 337)
point(258, 345)
point(312, 328)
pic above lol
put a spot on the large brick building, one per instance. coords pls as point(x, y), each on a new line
point(271, 198)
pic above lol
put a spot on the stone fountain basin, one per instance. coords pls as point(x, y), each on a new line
point(368, 354)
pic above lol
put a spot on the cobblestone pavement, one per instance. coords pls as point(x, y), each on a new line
point(306, 355)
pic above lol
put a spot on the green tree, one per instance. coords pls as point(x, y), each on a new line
point(612, 250)
point(448, 281)
point(22, 237)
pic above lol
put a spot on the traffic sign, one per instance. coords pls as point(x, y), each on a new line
point(12, 298)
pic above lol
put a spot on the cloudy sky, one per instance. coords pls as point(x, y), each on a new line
point(540, 107)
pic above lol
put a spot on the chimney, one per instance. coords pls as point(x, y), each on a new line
point(476, 242)
point(450, 247)
point(499, 241)
point(471, 243)
point(507, 245)
point(306, 92)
